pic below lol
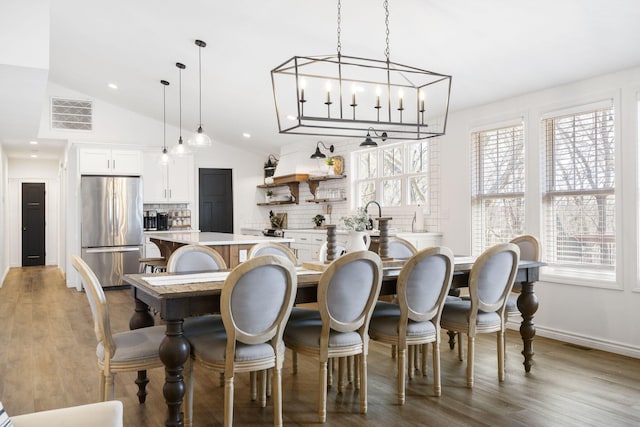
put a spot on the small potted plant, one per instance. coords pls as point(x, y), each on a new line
point(318, 220)
point(268, 196)
point(330, 164)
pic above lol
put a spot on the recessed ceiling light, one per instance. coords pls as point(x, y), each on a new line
point(34, 156)
point(246, 135)
point(33, 142)
point(113, 86)
point(290, 117)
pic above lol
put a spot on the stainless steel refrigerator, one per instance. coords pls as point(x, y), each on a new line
point(112, 229)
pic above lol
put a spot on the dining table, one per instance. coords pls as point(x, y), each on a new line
point(176, 296)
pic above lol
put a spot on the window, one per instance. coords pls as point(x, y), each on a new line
point(396, 175)
point(498, 186)
point(580, 190)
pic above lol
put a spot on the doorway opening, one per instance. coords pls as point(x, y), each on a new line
point(33, 224)
point(215, 200)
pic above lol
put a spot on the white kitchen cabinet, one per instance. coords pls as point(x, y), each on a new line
point(170, 183)
point(105, 161)
point(308, 242)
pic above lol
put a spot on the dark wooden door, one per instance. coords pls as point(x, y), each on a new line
point(33, 224)
point(216, 200)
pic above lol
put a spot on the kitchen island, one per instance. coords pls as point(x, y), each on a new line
point(232, 247)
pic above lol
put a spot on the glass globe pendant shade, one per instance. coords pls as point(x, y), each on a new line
point(164, 158)
point(200, 139)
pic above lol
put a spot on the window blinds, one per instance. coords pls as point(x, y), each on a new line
point(498, 184)
point(580, 189)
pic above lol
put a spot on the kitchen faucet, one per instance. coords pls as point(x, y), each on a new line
point(379, 211)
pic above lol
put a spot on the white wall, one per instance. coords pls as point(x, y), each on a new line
point(33, 170)
point(589, 315)
point(4, 224)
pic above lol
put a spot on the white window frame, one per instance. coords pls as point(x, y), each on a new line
point(478, 223)
point(581, 275)
point(403, 177)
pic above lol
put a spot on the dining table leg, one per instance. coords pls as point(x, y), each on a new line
point(528, 305)
point(174, 352)
point(141, 319)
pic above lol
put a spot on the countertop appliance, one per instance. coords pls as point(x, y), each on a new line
point(111, 228)
point(273, 232)
point(163, 221)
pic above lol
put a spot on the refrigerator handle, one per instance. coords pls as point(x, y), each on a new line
point(113, 249)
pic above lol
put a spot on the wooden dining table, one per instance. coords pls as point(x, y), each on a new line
point(176, 297)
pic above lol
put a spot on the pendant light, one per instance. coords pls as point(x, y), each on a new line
point(199, 138)
point(339, 95)
point(164, 159)
point(180, 149)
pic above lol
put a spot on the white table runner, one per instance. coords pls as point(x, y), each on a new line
point(183, 279)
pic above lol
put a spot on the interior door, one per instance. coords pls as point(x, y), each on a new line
point(33, 224)
point(216, 200)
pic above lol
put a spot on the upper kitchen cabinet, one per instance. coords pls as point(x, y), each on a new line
point(105, 161)
point(170, 183)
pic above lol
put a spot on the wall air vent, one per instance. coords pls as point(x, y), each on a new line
point(71, 114)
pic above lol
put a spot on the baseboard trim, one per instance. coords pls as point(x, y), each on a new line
point(583, 340)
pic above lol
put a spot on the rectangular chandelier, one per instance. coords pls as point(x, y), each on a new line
point(338, 95)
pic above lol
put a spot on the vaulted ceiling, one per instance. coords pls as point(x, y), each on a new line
point(494, 49)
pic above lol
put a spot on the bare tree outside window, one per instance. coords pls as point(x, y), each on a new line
point(580, 189)
point(498, 186)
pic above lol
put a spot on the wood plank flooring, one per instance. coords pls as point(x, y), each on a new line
point(47, 360)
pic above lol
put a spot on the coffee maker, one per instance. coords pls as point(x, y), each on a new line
point(163, 221)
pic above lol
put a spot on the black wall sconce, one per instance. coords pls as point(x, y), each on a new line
point(318, 154)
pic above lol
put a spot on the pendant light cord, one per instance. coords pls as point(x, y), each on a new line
point(180, 103)
point(339, 47)
point(387, 52)
point(164, 117)
point(200, 80)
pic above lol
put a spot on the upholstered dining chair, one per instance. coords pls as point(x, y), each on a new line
point(129, 351)
point(422, 286)
point(490, 282)
point(347, 291)
point(272, 248)
point(197, 259)
point(529, 251)
point(256, 300)
point(267, 248)
point(400, 248)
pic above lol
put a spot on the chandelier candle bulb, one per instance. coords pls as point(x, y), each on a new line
point(421, 101)
point(400, 95)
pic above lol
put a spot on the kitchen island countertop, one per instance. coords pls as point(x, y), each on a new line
point(214, 239)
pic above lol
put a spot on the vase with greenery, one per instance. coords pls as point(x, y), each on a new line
point(358, 239)
point(268, 196)
point(330, 164)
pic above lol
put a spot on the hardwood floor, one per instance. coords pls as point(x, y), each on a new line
point(47, 360)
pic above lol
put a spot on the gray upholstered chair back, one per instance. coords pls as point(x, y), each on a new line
point(257, 298)
point(424, 283)
point(400, 248)
point(529, 247)
point(98, 304)
point(194, 259)
point(272, 248)
point(348, 289)
point(492, 277)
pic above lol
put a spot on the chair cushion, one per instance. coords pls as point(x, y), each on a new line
point(202, 325)
point(212, 347)
point(457, 313)
point(101, 414)
point(306, 333)
point(388, 326)
point(299, 313)
point(134, 345)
